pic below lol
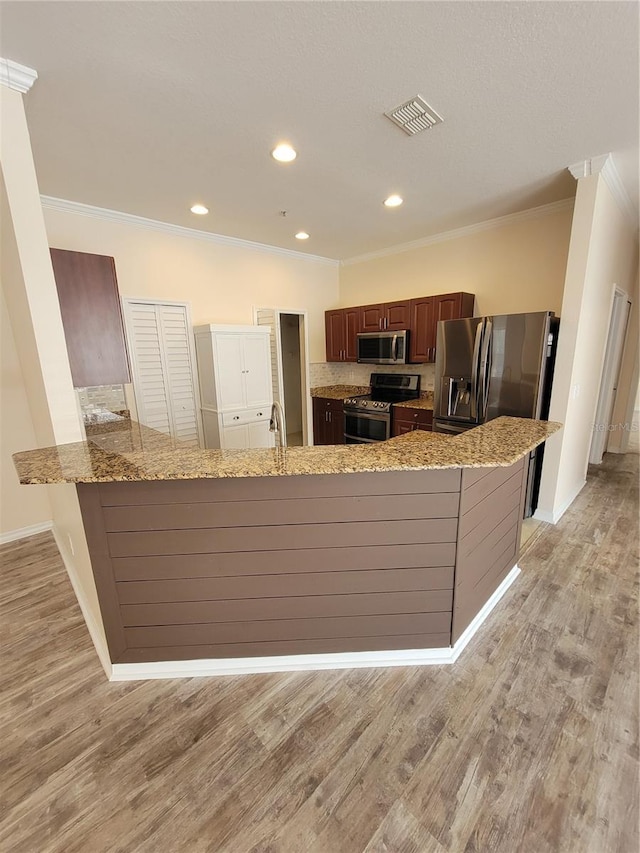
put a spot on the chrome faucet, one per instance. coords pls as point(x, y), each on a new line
point(276, 424)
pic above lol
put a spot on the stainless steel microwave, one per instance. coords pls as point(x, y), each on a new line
point(383, 347)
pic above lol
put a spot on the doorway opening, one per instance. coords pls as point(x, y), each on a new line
point(290, 369)
point(610, 375)
point(290, 345)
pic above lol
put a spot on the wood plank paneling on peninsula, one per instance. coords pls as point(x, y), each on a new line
point(491, 509)
point(213, 554)
point(332, 572)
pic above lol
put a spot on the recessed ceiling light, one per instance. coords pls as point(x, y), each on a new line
point(200, 209)
point(302, 235)
point(393, 201)
point(284, 153)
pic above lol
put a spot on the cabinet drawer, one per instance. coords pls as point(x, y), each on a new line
point(406, 420)
point(246, 416)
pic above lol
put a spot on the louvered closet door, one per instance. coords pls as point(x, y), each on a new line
point(179, 372)
point(150, 381)
point(159, 340)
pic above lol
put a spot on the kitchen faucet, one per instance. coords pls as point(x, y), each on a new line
point(276, 424)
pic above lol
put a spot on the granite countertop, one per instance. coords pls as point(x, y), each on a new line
point(339, 392)
point(138, 453)
point(424, 401)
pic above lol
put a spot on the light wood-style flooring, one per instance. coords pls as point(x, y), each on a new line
point(528, 743)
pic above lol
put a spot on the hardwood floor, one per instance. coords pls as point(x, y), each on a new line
point(528, 743)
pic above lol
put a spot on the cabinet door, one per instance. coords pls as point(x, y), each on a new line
point(423, 330)
point(447, 306)
point(351, 327)
point(397, 315)
point(319, 421)
point(257, 370)
point(228, 360)
point(259, 435)
point(336, 423)
point(91, 316)
point(371, 318)
point(335, 335)
point(401, 426)
point(235, 437)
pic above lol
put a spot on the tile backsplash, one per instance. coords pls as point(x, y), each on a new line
point(100, 397)
point(336, 373)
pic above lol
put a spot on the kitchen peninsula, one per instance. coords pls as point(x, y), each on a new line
point(300, 557)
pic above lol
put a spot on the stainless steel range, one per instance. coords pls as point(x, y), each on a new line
point(367, 418)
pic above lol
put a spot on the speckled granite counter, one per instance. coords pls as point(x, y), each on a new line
point(139, 453)
point(339, 392)
point(424, 401)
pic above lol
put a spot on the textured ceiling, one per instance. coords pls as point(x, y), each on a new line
point(149, 107)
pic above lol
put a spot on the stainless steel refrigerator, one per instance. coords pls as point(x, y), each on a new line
point(492, 366)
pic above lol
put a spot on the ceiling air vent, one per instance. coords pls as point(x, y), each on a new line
point(414, 115)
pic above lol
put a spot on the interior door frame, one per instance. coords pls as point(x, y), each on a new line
point(614, 348)
point(129, 300)
point(307, 415)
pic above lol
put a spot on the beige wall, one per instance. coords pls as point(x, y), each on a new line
point(29, 287)
point(515, 267)
point(221, 282)
point(602, 254)
point(20, 507)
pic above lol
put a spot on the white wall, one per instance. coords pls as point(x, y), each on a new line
point(602, 253)
point(20, 507)
point(222, 282)
point(29, 287)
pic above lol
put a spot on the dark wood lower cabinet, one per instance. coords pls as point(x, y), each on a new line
point(328, 421)
point(406, 420)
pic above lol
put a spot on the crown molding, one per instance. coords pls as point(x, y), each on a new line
point(465, 231)
point(591, 166)
point(604, 165)
point(17, 76)
point(64, 206)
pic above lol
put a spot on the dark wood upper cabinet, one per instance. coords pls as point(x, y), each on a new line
point(426, 313)
point(371, 318)
point(419, 316)
point(91, 316)
point(341, 327)
point(351, 328)
point(387, 316)
point(453, 306)
point(335, 334)
point(423, 329)
point(397, 315)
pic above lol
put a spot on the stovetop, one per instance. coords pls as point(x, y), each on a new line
point(386, 389)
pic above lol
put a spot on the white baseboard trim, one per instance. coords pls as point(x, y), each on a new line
point(23, 532)
point(94, 631)
point(555, 516)
point(297, 663)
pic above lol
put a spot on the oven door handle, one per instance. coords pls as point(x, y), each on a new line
point(365, 416)
point(360, 440)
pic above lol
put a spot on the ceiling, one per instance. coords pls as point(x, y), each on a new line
point(147, 108)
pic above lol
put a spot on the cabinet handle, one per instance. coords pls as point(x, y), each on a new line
point(259, 415)
point(236, 417)
point(330, 418)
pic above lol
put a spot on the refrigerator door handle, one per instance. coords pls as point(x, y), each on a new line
point(486, 368)
point(475, 371)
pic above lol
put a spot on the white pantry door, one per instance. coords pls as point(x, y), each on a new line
point(161, 350)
